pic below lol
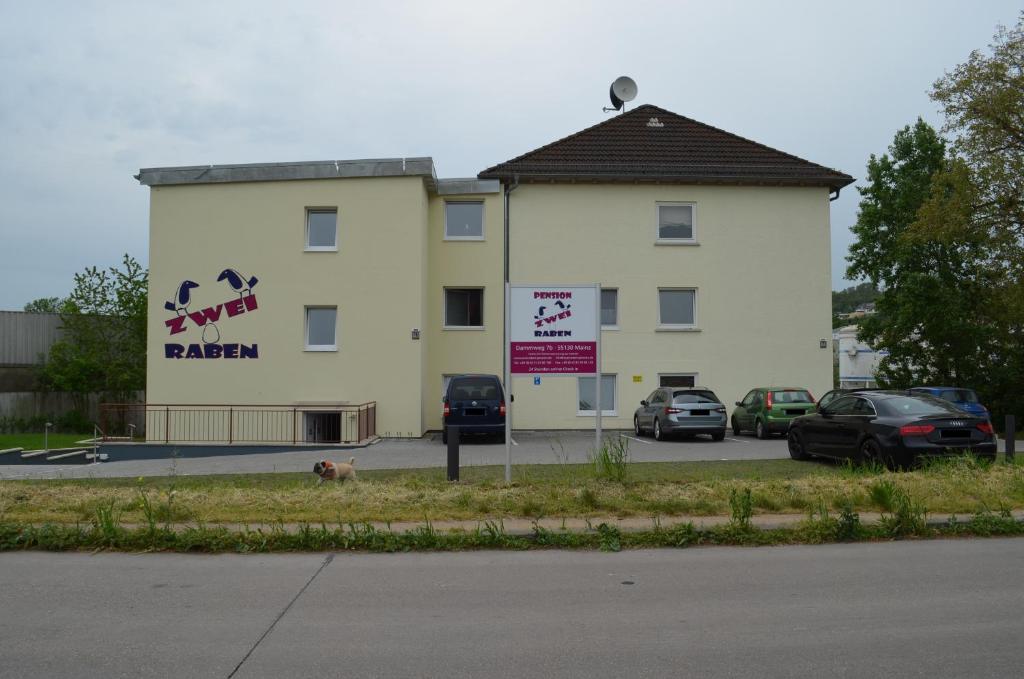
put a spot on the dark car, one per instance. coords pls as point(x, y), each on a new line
point(474, 403)
point(964, 399)
point(890, 427)
point(830, 396)
point(767, 410)
point(669, 410)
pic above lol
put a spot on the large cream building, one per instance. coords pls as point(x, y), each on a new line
point(304, 285)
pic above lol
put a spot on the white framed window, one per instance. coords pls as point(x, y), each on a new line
point(321, 328)
point(464, 220)
point(464, 308)
point(676, 224)
point(586, 396)
point(677, 308)
point(677, 380)
point(610, 308)
point(321, 229)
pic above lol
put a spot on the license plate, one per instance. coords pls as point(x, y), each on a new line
point(795, 412)
point(699, 412)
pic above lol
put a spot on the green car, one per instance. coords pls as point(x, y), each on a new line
point(767, 410)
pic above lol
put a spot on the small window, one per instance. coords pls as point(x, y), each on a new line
point(609, 307)
point(463, 307)
point(585, 388)
point(675, 223)
point(678, 380)
point(321, 328)
point(464, 221)
point(321, 229)
point(677, 308)
point(323, 427)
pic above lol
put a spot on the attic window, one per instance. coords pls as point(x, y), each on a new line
point(653, 122)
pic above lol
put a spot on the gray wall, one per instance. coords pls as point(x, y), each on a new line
point(24, 336)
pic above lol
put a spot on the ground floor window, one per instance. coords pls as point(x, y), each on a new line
point(587, 396)
point(322, 427)
point(463, 307)
point(683, 380)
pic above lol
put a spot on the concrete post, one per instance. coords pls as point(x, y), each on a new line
point(453, 453)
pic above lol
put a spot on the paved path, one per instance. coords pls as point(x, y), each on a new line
point(932, 609)
point(530, 448)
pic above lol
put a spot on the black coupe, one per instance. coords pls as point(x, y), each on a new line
point(891, 428)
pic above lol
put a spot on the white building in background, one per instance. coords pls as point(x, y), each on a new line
point(858, 362)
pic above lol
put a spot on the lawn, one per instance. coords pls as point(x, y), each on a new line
point(651, 489)
point(35, 441)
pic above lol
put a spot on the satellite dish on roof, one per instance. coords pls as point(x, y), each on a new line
point(622, 90)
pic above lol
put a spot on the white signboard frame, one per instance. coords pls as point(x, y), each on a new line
point(553, 330)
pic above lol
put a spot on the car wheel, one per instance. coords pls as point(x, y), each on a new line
point(658, 434)
point(796, 446)
point(871, 453)
point(720, 436)
point(760, 431)
point(735, 428)
point(636, 427)
point(444, 435)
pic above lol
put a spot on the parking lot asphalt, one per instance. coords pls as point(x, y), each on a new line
point(529, 448)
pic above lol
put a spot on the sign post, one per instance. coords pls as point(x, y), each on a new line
point(552, 330)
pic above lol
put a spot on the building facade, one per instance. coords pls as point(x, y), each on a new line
point(308, 284)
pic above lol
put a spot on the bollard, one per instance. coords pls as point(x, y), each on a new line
point(1010, 433)
point(453, 453)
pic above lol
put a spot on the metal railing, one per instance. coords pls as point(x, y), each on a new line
point(235, 423)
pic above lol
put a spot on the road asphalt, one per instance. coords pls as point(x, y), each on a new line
point(942, 608)
point(529, 448)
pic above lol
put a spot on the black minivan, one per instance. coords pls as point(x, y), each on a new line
point(474, 403)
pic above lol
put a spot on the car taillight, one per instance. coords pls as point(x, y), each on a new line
point(769, 400)
point(985, 428)
point(501, 409)
point(447, 409)
point(673, 411)
point(916, 430)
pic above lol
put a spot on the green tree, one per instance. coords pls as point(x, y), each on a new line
point(925, 313)
point(44, 305)
point(978, 198)
point(104, 344)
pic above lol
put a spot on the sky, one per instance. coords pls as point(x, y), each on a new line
point(94, 91)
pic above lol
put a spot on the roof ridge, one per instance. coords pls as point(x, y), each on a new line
point(601, 145)
point(572, 136)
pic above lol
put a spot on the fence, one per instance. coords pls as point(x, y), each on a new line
point(203, 423)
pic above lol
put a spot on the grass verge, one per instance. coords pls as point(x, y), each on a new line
point(35, 441)
point(960, 485)
point(105, 533)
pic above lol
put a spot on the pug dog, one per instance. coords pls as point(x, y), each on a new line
point(335, 471)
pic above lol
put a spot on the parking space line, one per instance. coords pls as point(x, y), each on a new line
point(646, 443)
point(727, 438)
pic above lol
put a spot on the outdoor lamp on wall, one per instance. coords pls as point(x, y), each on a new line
point(823, 344)
point(415, 333)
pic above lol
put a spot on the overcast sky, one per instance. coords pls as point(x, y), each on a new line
point(91, 92)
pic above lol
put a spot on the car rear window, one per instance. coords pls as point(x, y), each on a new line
point(959, 395)
point(791, 396)
point(694, 396)
point(919, 406)
point(474, 389)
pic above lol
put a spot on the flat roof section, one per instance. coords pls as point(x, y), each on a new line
point(272, 172)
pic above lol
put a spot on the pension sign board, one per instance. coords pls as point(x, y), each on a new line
point(553, 330)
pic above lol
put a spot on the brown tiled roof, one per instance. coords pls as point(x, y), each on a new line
point(652, 144)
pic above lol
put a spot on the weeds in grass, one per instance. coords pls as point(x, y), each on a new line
point(908, 516)
point(742, 508)
point(609, 538)
point(883, 494)
point(611, 460)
